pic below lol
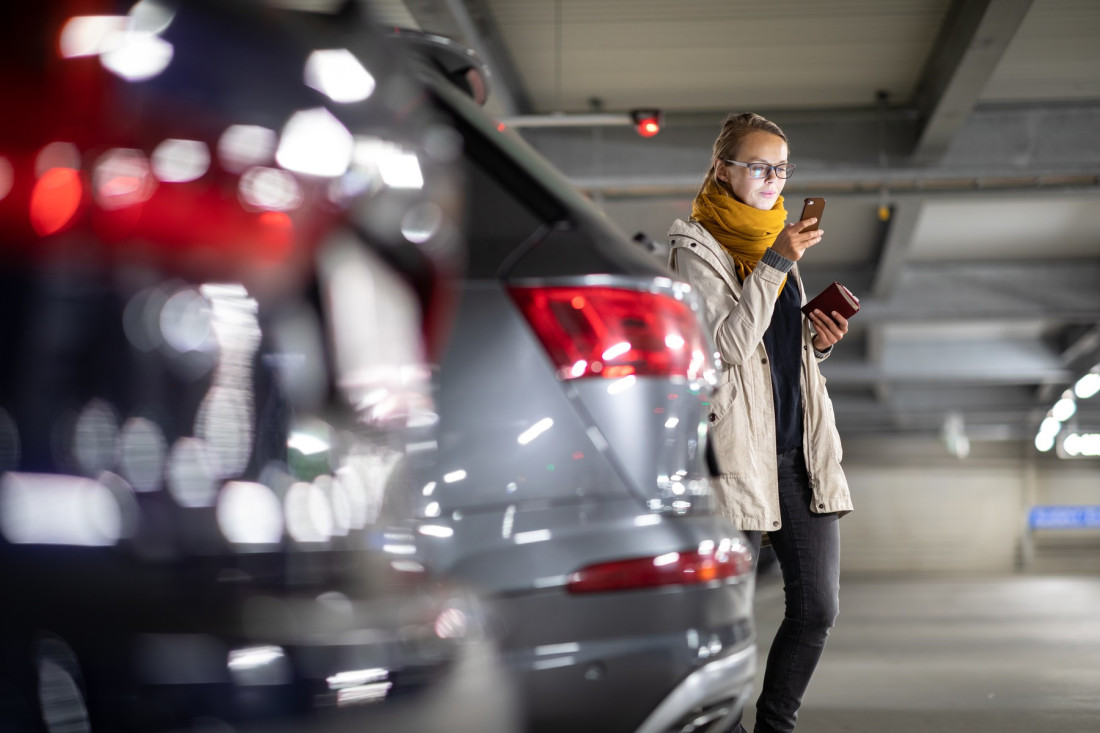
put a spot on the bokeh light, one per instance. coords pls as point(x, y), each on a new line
point(270, 188)
point(56, 155)
point(422, 222)
point(1064, 408)
point(249, 514)
point(136, 55)
point(451, 624)
point(308, 513)
point(398, 168)
point(185, 322)
point(142, 450)
point(55, 509)
point(151, 16)
point(95, 437)
point(55, 199)
point(243, 146)
point(1087, 386)
point(315, 143)
point(191, 475)
point(260, 665)
point(141, 319)
point(122, 178)
point(179, 161)
point(339, 75)
point(89, 35)
point(7, 177)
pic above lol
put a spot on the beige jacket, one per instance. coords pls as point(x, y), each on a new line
point(742, 421)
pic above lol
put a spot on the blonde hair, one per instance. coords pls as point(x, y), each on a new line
point(734, 129)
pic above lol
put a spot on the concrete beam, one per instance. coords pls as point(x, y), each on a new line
point(898, 238)
point(971, 43)
point(1005, 146)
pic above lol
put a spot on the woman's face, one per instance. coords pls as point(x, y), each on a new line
point(756, 147)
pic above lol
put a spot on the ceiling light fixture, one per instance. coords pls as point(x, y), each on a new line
point(647, 122)
point(1053, 433)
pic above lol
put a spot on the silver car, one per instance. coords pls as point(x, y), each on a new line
point(570, 483)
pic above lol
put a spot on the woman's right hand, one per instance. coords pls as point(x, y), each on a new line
point(792, 242)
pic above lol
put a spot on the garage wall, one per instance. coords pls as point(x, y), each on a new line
point(919, 509)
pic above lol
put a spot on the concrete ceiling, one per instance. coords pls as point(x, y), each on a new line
point(974, 124)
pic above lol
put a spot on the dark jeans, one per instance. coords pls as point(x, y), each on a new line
point(808, 550)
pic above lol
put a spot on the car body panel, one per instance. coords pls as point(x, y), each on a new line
point(540, 475)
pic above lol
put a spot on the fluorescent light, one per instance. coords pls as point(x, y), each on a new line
point(1087, 386)
point(1050, 426)
point(1044, 442)
point(1063, 409)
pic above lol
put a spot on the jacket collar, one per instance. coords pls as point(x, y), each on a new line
point(683, 233)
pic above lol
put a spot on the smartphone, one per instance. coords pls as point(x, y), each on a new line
point(810, 208)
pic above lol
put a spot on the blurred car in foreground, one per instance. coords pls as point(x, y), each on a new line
point(224, 251)
point(570, 483)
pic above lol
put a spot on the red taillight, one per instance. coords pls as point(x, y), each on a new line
point(729, 560)
point(615, 332)
point(55, 200)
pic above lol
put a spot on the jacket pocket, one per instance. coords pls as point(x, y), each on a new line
point(724, 395)
point(728, 425)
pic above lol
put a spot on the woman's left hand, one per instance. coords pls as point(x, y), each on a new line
point(829, 330)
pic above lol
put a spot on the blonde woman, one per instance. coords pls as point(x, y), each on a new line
point(772, 428)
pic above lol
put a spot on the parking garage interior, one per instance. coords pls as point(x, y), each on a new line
point(956, 144)
point(954, 141)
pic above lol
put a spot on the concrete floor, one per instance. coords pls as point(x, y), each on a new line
point(952, 655)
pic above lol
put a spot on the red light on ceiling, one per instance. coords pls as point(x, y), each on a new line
point(648, 128)
point(55, 200)
point(647, 122)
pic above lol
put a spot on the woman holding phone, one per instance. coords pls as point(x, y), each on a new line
point(772, 431)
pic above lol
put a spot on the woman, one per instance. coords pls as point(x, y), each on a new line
point(771, 423)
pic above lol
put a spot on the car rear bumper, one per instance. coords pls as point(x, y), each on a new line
point(635, 683)
point(715, 691)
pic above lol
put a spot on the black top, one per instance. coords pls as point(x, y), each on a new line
point(783, 342)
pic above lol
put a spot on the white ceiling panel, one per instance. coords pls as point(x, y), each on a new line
point(708, 54)
point(1054, 57)
point(1012, 226)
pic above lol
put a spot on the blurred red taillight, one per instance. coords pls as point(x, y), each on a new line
point(730, 559)
point(55, 200)
point(614, 332)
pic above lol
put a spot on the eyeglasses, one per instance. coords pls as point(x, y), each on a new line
point(760, 170)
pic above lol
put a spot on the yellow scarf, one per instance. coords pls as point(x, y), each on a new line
point(742, 230)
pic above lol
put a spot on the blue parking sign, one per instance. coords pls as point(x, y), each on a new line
point(1064, 517)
